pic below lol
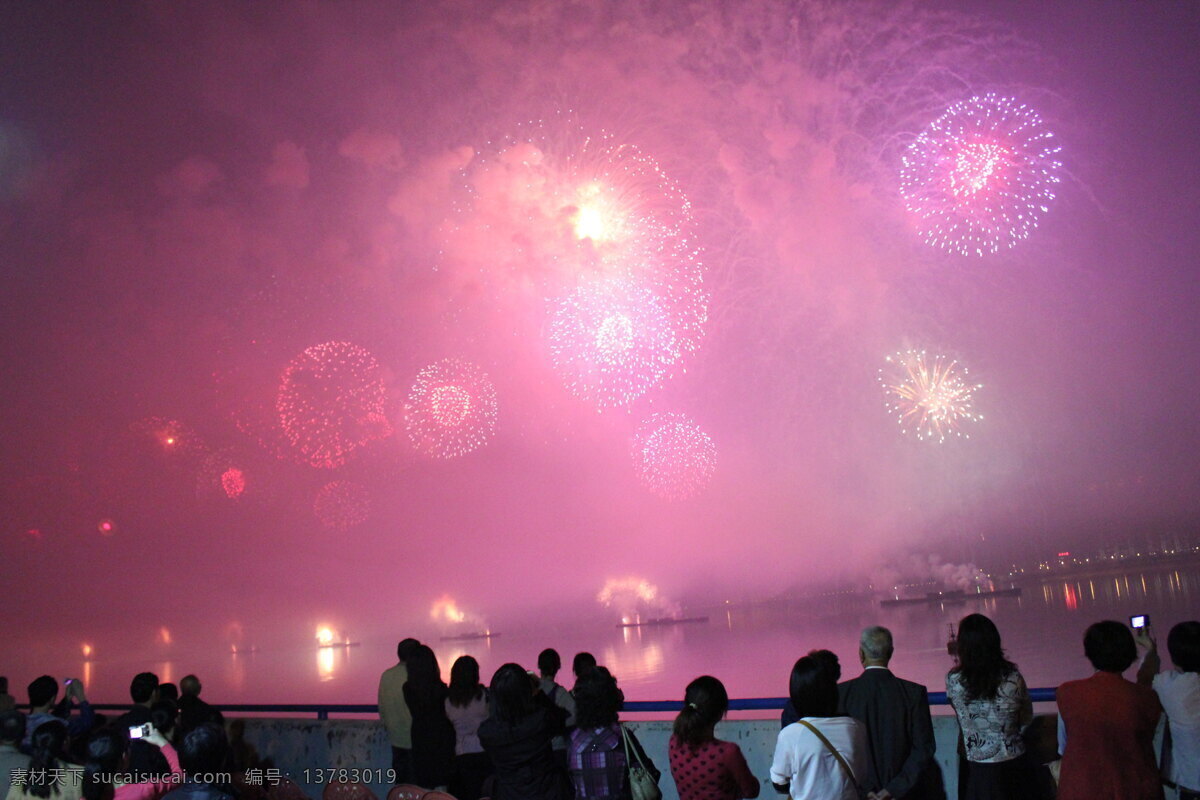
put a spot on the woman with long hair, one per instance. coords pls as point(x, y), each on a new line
point(432, 734)
point(517, 736)
point(703, 766)
point(108, 755)
point(824, 754)
point(993, 706)
point(596, 751)
point(50, 777)
point(467, 708)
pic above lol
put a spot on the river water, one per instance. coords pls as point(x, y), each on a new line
point(751, 649)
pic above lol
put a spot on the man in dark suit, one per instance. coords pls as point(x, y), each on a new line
point(899, 728)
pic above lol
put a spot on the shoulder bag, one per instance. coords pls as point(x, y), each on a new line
point(641, 782)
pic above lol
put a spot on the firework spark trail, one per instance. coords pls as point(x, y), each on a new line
point(332, 401)
point(451, 409)
point(612, 341)
point(981, 175)
point(931, 397)
point(672, 456)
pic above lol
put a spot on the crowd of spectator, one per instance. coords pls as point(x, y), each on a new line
point(524, 736)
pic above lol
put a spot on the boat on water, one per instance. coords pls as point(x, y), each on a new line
point(465, 637)
point(659, 621)
point(952, 597)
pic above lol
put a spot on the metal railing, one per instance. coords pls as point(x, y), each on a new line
point(323, 710)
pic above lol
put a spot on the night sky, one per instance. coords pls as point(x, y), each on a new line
point(192, 194)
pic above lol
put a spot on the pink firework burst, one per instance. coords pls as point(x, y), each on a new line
point(555, 206)
point(981, 176)
point(672, 456)
point(233, 482)
point(341, 505)
point(451, 409)
point(612, 341)
point(331, 401)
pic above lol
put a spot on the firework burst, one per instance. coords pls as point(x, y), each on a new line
point(554, 207)
point(980, 177)
point(340, 505)
point(612, 341)
point(451, 409)
point(331, 401)
point(672, 456)
point(931, 397)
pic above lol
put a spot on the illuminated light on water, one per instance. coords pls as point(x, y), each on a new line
point(164, 635)
point(612, 341)
point(981, 176)
point(931, 397)
point(233, 482)
point(106, 527)
point(332, 401)
point(672, 456)
point(86, 649)
point(451, 409)
point(341, 505)
point(445, 609)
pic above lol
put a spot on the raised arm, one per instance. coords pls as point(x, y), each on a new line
point(1151, 663)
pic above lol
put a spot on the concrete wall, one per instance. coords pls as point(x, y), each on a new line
point(296, 744)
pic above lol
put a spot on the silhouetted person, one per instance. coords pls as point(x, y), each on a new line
point(467, 708)
point(143, 756)
point(517, 736)
point(168, 691)
point(203, 753)
point(549, 663)
point(43, 692)
point(394, 711)
point(432, 733)
point(582, 662)
point(7, 701)
point(12, 732)
point(899, 726)
point(50, 776)
point(193, 711)
point(828, 661)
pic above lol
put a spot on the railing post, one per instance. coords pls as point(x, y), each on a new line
point(323, 714)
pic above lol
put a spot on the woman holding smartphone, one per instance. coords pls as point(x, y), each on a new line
point(108, 754)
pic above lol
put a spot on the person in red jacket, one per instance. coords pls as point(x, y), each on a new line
point(1106, 725)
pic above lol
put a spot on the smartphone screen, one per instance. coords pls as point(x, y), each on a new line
point(137, 731)
point(1137, 621)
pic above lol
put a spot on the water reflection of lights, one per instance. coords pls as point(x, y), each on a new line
point(164, 672)
point(645, 661)
point(87, 673)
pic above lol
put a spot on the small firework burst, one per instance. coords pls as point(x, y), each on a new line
point(233, 482)
point(451, 409)
point(672, 456)
point(340, 505)
point(331, 401)
point(931, 397)
point(612, 341)
point(980, 177)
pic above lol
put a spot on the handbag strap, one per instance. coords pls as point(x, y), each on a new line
point(836, 754)
point(629, 761)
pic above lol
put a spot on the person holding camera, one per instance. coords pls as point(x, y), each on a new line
point(108, 756)
point(1107, 723)
point(1179, 692)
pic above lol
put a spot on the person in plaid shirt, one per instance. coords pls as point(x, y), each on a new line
point(596, 752)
